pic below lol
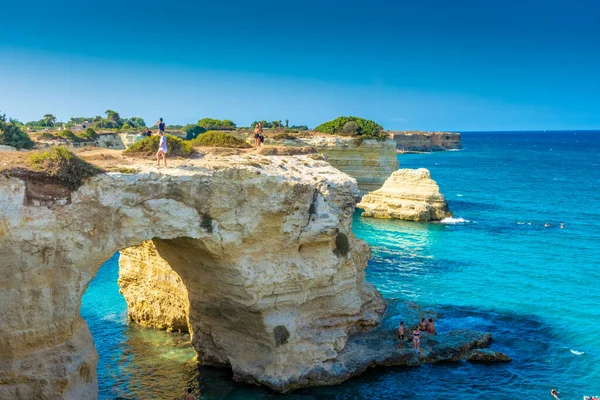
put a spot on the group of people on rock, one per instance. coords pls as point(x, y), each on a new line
point(426, 325)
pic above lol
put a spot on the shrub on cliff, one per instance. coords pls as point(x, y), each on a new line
point(284, 136)
point(216, 124)
point(193, 131)
point(63, 165)
point(12, 135)
point(219, 139)
point(68, 135)
point(353, 126)
point(88, 135)
point(176, 146)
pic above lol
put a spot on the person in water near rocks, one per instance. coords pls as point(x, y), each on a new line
point(431, 326)
point(401, 332)
point(162, 148)
point(189, 395)
point(554, 394)
point(161, 125)
point(417, 340)
point(423, 325)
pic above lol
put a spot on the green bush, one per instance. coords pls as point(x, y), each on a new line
point(216, 124)
point(192, 131)
point(68, 135)
point(88, 135)
point(48, 135)
point(350, 128)
point(284, 136)
point(367, 129)
point(342, 244)
point(62, 164)
point(176, 146)
point(11, 135)
point(219, 139)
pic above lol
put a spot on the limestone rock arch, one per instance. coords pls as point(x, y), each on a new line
point(257, 246)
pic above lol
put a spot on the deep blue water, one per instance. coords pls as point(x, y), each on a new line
point(535, 288)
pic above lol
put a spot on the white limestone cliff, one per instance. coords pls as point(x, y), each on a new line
point(261, 246)
point(408, 194)
point(370, 162)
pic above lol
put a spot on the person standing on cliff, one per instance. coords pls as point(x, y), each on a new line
point(162, 148)
point(161, 125)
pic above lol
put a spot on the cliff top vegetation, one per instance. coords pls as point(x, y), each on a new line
point(219, 139)
point(359, 128)
point(149, 145)
point(12, 135)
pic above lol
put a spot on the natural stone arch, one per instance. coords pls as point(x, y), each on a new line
point(272, 227)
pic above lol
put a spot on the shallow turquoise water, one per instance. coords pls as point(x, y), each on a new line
point(534, 288)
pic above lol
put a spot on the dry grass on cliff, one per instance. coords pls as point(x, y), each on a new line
point(56, 165)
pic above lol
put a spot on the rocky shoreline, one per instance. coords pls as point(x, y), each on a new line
point(254, 256)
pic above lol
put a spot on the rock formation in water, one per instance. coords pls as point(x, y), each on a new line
point(487, 356)
point(426, 141)
point(408, 194)
point(262, 245)
point(370, 162)
point(254, 256)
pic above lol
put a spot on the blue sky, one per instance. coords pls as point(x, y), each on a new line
point(430, 65)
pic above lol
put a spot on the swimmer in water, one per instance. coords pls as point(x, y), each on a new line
point(547, 225)
point(562, 225)
point(554, 394)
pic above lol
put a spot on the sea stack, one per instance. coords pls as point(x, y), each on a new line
point(408, 194)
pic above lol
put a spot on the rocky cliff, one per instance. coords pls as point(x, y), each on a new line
point(370, 162)
point(261, 247)
point(426, 141)
point(408, 194)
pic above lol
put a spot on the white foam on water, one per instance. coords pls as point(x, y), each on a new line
point(453, 221)
point(577, 353)
point(459, 195)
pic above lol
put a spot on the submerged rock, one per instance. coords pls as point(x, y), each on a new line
point(408, 194)
point(487, 356)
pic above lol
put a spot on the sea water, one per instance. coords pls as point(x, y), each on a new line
point(493, 267)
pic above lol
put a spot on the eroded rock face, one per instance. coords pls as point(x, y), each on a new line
point(427, 141)
point(274, 290)
point(408, 194)
point(370, 163)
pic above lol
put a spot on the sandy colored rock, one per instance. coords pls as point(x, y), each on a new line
point(7, 148)
point(263, 245)
point(408, 194)
point(370, 163)
point(155, 295)
point(426, 141)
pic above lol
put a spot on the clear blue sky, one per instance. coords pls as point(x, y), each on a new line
point(430, 64)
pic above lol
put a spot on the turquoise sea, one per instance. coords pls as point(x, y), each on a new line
point(493, 267)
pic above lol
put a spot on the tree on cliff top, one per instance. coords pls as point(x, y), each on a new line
point(12, 135)
point(353, 126)
point(216, 124)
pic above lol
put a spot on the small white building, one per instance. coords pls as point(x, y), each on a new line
point(81, 127)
